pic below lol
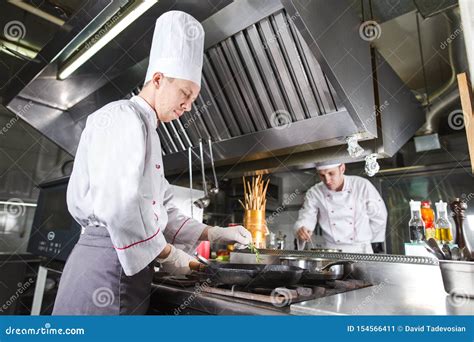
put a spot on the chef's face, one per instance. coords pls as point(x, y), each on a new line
point(173, 96)
point(333, 178)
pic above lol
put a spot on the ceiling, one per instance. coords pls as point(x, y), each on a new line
point(410, 36)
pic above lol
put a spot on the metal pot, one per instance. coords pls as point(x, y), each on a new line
point(458, 277)
point(317, 269)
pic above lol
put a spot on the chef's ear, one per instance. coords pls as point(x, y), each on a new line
point(157, 79)
point(343, 168)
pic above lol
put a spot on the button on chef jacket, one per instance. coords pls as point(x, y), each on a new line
point(118, 182)
point(355, 215)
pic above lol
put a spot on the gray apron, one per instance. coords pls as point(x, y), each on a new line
point(94, 283)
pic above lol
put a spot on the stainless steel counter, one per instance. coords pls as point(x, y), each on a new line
point(401, 286)
point(386, 299)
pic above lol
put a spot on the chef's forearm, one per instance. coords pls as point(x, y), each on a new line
point(204, 236)
point(165, 252)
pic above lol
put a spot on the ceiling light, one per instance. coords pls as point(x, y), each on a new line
point(36, 11)
point(116, 24)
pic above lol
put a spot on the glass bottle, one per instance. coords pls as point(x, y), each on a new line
point(427, 214)
point(443, 226)
point(416, 225)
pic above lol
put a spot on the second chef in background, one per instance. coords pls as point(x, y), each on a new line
point(349, 210)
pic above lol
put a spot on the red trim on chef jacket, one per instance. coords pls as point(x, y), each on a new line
point(136, 243)
point(174, 237)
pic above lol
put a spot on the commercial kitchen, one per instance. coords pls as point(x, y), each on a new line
point(320, 161)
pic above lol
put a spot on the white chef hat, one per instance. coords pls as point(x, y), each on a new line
point(177, 48)
point(327, 165)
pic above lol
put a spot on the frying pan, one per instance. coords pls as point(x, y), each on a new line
point(251, 275)
point(317, 269)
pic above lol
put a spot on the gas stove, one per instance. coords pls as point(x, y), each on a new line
point(276, 296)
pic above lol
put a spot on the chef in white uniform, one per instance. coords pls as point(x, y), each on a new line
point(118, 191)
point(349, 210)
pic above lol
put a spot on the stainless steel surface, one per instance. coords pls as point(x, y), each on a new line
point(326, 250)
point(204, 201)
point(458, 277)
point(305, 135)
point(273, 255)
point(317, 268)
point(347, 63)
point(39, 291)
point(190, 171)
point(205, 303)
point(433, 245)
point(215, 189)
point(400, 112)
point(201, 259)
point(229, 24)
point(386, 299)
point(456, 253)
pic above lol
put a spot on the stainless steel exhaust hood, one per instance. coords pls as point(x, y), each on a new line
point(280, 78)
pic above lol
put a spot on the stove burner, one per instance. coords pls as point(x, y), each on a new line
point(279, 296)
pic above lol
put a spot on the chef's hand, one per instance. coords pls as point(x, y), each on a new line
point(177, 262)
point(237, 234)
point(304, 234)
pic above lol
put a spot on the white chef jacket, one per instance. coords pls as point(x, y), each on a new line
point(117, 182)
point(350, 219)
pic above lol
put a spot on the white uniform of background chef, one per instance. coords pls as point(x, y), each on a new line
point(349, 210)
point(118, 191)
